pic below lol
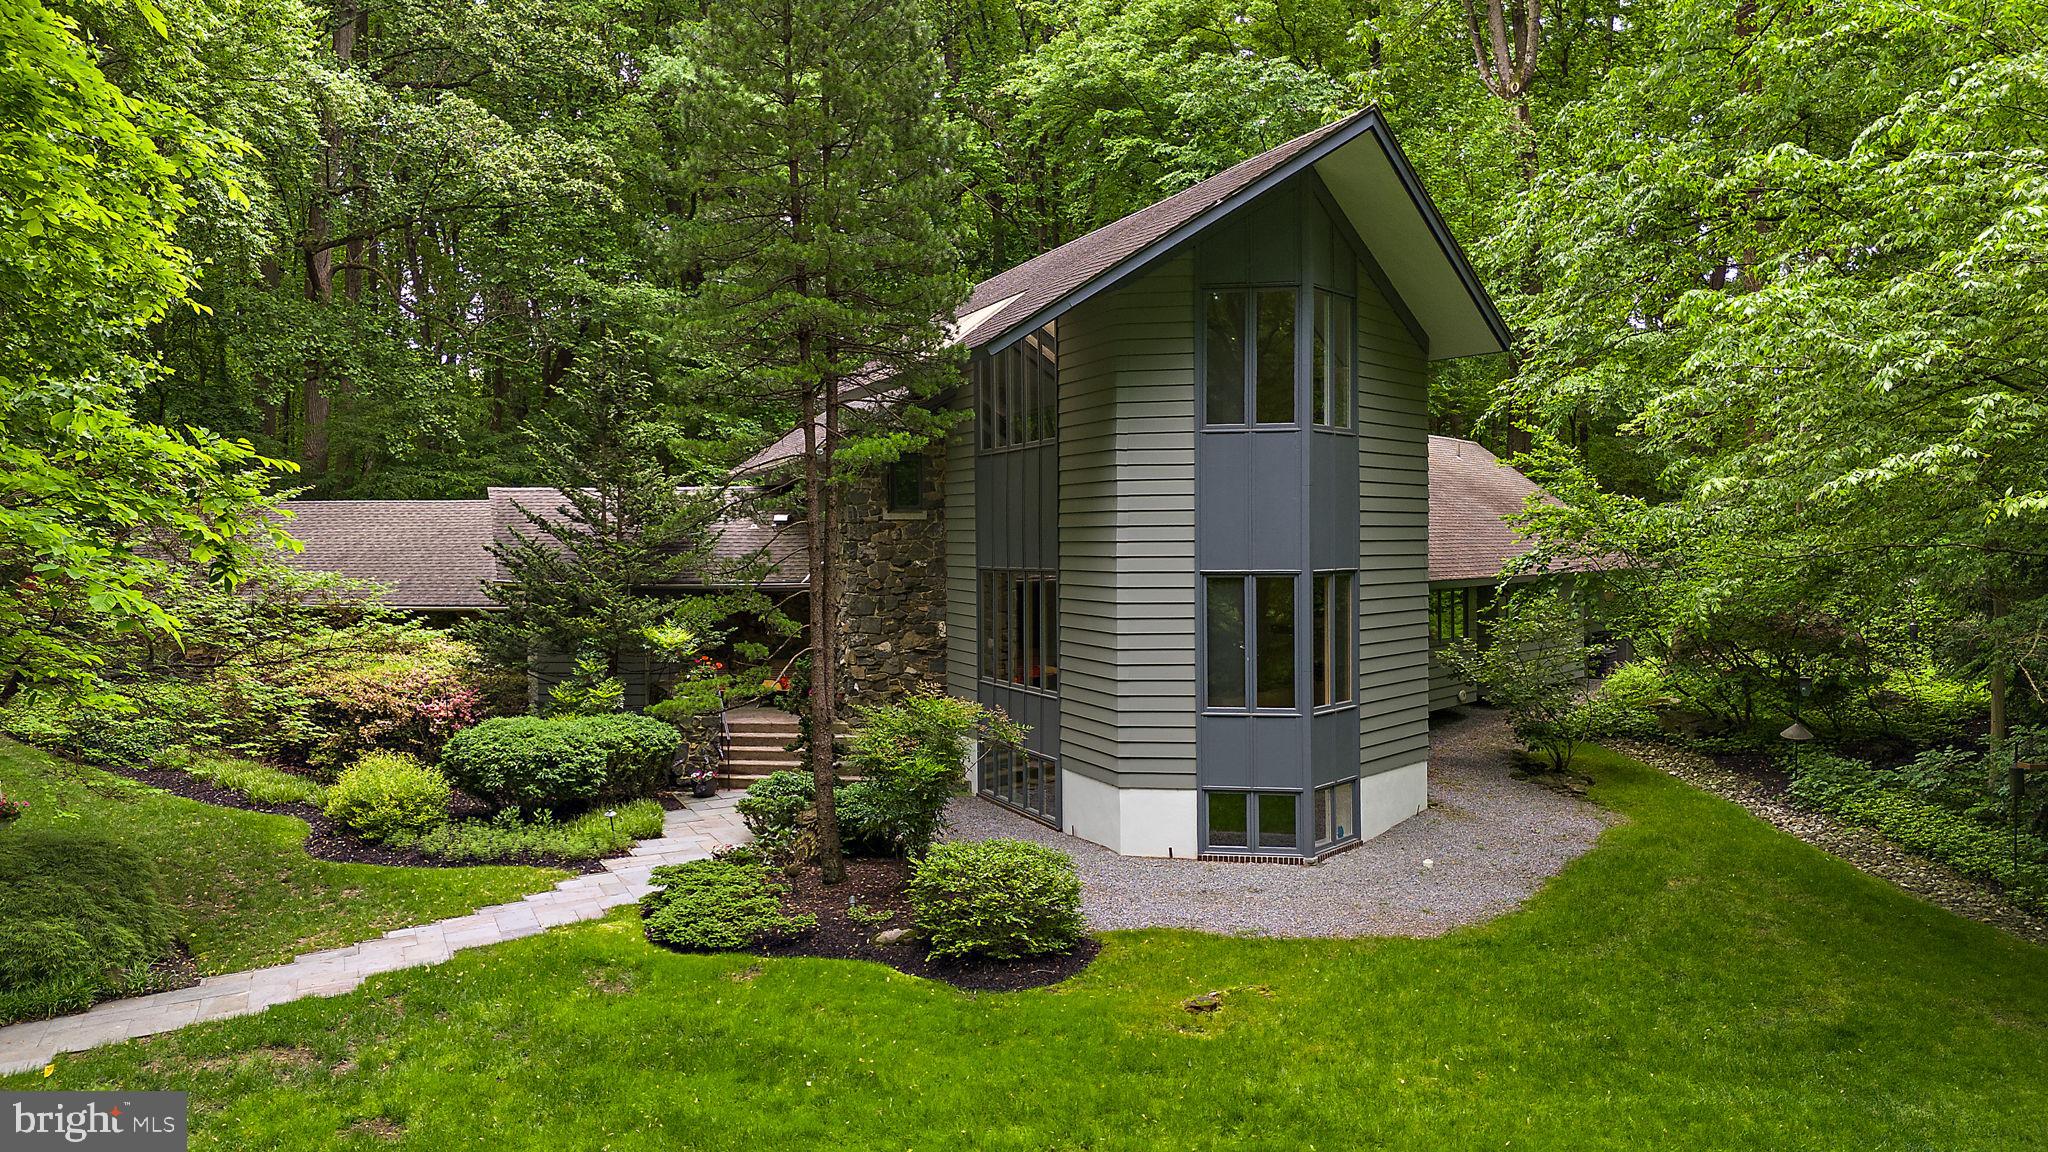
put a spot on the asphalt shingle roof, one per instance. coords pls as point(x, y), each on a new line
point(1470, 491)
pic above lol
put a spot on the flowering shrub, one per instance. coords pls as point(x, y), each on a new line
point(407, 699)
point(10, 808)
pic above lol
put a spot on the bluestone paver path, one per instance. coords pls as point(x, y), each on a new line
point(690, 834)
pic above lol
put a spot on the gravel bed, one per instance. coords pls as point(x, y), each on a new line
point(1868, 850)
point(1485, 844)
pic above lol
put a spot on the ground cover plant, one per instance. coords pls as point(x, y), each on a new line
point(241, 882)
point(82, 917)
point(512, 835)
point(1697, 981)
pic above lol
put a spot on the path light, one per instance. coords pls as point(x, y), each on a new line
point(612, 814)
point(1798, 733)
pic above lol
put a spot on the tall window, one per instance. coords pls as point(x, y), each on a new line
point(1020, 628)
point(1335, 638)
point(1016, 392)
point(1250, 627)
point(1332, 382)
point(1248, 355)
point(1450, 616)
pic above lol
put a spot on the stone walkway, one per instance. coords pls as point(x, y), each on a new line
point(691, 834)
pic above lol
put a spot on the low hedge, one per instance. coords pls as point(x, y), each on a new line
point(388, 795)
point(560, 761)
point(81, 918)
point(717, 906)
point(1851, 790)
point(1000, 899)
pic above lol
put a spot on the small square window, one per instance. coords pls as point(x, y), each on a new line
point(1228, 827)
point(903, 484)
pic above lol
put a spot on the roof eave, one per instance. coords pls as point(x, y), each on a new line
point(1366, 121)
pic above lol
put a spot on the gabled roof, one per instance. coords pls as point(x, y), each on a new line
point(1470, 493)
point(1367, 174)
point(436, 554)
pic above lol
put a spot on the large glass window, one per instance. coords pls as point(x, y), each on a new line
point(1250, 632)
point(1332, 383)
point(1016, 392)
point(1275, 391)
point(1020, 628)
point(1335, 638)
point(1248, 355)
point(1252, 821)
point(1275, 659)
point(1227, 656)
point(1224, 355)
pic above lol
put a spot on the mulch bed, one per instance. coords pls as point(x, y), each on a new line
point(878, 884)
point(327, 840)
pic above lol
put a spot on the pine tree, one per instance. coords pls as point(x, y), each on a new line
point(590, 566)
point(825, 229)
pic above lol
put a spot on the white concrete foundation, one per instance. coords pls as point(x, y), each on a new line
point(1387, 798)
point(1131, 821)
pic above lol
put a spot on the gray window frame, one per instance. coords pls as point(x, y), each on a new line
point(1017, 408)
point(997, 644)
point(1347, 658)
point(1251, 657)
point(1350, 385)
point(1248, 294)
point(1253, 802)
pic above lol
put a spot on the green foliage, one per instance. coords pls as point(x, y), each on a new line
point(81, 918)
point(776, 801)
point(511, 836)
point(258, 781)
point(559, 762)
point(717, 906)
point(1851, 790)
point(1628, 701)
point(389, 795)
point(97, 502)
point(1532, 668)
point(911, 756)
point(1001, 899)
point(589, 690)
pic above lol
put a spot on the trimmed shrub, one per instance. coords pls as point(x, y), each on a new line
point(776, 802)
point(717, 906)
point(388, 795)
point(81, 919)
point(1002, 899)
point(559, 762)
point(511, 836)
point(911, 757)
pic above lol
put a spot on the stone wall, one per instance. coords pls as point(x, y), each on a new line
point(894, 617)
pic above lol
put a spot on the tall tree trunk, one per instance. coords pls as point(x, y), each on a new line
point(821, 539)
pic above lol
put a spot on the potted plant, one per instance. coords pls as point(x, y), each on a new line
point(703, 782)
point(11, 809)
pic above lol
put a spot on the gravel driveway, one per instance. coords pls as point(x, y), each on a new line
point(1491, 842)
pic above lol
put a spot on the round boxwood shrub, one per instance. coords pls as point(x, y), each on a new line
point(717, 906)
point(1000, 899)
point(386, 795)
point(81, 918)
point(560, 761)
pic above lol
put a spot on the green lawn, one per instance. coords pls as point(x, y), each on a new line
point(249, 893)
point(1697, 981)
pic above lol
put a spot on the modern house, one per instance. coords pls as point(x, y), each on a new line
point(1186, 531)
point(1194, 529)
